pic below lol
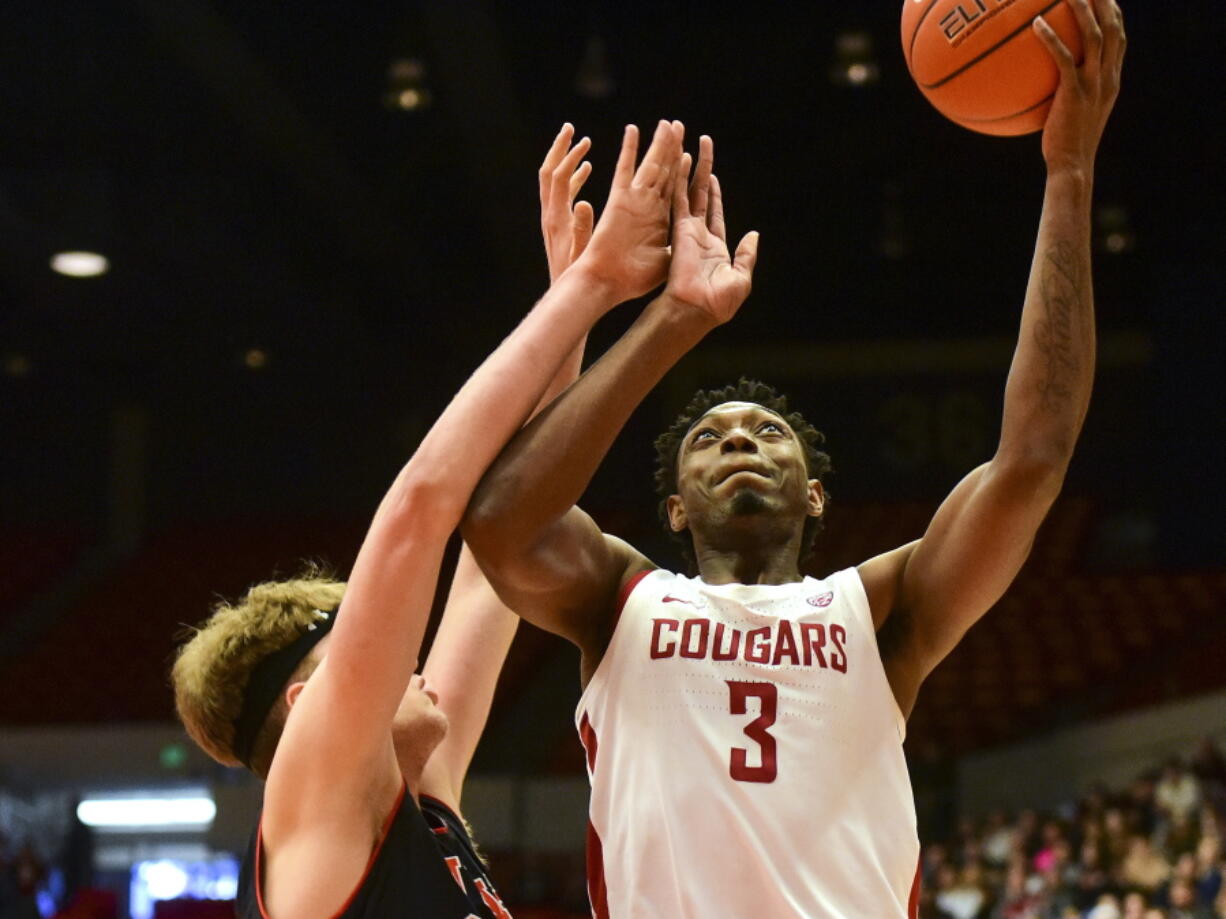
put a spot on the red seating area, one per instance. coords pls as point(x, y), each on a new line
point(1060, 639)
point(107, 657)
point(30, 561)
point(1094, 641)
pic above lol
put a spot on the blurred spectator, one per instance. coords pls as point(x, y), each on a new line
point(1027, 837)
point(960, 895)
point(1051, 836)
point(1142, 804)
point(76, 859)
point(1107, 907)
point(1143, 867)
point(28, 873)
point(1177, 795)
point(1115, 836)
point(932, 859)
point(1208, 868)
point(1183, 903)
point(1017, 901)
point(1181, 837)
point(1134, 906)
point(1092, 877)
point(998, 839)
point(1208, 765)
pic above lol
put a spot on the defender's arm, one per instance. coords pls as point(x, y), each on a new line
point(476, 631)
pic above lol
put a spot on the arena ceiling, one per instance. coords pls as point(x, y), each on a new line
point(260, 187)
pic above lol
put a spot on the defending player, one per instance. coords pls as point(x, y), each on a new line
point(744, 728)
point(309, 683)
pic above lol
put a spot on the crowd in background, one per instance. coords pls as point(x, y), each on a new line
point(22, 872)
point(1150, 851)
point(1153, 850)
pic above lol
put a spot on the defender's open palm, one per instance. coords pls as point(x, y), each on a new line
point(629, 247)
point(565, 225)
point(702, 273)
point(1087, 91)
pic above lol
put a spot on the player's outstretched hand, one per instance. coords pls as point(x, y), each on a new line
point(565, 225)
point(629, 246)
point(702, 273)
point(1087, 91)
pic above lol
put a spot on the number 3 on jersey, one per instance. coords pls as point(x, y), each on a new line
point(756, 730)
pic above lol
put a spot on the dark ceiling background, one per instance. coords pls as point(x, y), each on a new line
point(239, 165)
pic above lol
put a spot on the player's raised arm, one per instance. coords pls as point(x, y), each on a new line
point(335, 754)
point(935, 589)
point(477, 628)
point(545, 556)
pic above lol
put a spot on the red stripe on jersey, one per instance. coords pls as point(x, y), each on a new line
point(913, 903)
point(597, 893)
point(587, 737)
point(259, 851)
point(624, 594)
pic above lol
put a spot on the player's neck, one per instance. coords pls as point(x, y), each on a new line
point(410, 763)
point(767, 565)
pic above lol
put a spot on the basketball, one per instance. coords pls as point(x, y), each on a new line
point(981, 64)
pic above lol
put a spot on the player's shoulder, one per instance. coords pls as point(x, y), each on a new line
point(881, 576)
point(632, 566)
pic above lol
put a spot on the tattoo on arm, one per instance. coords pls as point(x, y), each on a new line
point(1061, 290)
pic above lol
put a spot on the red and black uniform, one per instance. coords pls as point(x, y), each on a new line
point(425, 865)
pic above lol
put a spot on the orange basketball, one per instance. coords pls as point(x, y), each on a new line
point(980, 63)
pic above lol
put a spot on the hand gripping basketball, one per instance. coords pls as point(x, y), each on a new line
point(980, 63)
point(1087, 90)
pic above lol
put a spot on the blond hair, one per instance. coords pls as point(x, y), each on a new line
point(213, 666)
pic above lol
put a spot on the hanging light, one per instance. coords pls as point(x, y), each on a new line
point(406, 86)
point(80, 264)
point(1113, 232)
point(854, 63)
point(593, 80)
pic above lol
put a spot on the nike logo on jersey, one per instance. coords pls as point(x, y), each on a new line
point(669, 598)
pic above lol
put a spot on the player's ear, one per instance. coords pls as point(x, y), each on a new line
point(292, 691)
point(817, 498)
point(677, 520)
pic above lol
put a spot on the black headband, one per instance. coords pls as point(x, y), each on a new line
point(268, 679)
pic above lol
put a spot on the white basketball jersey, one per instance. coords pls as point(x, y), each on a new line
point(745, 754)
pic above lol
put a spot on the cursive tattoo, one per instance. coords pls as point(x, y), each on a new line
point(1062, 294)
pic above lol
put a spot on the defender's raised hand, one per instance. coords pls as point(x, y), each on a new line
point(702, 273)
point(1087, 91)
point(565, 225)
point(629, 246)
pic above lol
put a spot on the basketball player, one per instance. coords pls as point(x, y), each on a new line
point(309, 683)
point(744, 727)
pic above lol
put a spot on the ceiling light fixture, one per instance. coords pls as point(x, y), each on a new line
point(80, 264)
point(184, 811)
